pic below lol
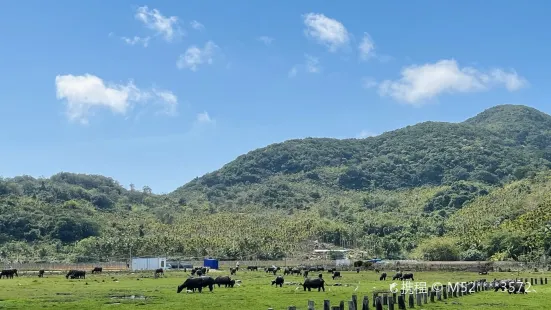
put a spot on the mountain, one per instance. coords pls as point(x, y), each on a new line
point(435, 190)
point(501, 144)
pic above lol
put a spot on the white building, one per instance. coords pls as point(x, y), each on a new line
point(148, 263)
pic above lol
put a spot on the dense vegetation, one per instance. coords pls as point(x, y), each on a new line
point(471, 190)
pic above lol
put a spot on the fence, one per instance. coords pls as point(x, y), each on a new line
point(385, 265)
point(411, 299)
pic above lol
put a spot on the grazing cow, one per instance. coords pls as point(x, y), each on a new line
point(483, 272)
point(287, 271)
point(278, 281)
point(358, 270)
point(8, 273)
point(159, 271)
point(97, 270)
point(397, 276)
point(197, 284)
point(331, 270)
point(376, 270)
point(314, 269)
point(314, 283)
point(408, 276)
point(336, 274)
point(251, 268)
point(41, 273)
point(76, 274)
point(296, 271)
point(511, 286)
point(320, 268)
point(233, 271)
point(383, 276)
point(272, 269)
point(305, 273)
point(224, 280)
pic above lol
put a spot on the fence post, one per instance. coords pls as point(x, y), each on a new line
point(395, 299)
point(355, 300)
point(326, 305)
point(351, 305)
point(310, 305)
point(418, 297)
point(336, 308)
point(385, 297)
point(541, 281)
point(292, 308)
point(401, 302)
point(425, 296)
point(431, 296)
point(390, 303)
point(378, 303)
point(341, 305)
point(545, 280)
point(411, 301)
point(445, 291)
point(365, 303)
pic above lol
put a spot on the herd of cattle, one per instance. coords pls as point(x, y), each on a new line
point(199, 278)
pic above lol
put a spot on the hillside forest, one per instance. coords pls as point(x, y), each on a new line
point(475, 190)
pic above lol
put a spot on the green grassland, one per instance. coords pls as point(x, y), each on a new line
point(255, 292)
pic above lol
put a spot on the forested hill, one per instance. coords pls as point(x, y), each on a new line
point(501, 144)
point(440, 191)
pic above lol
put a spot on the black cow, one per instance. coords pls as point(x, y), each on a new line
point(408, 276)
point(376, 270)
point(383, 276)
point(97, 270)
point(76, 274)
point(483, 272)
point(233, 271)
point(296, 271)
point(397, 276)
point(278, 281)
point(197, 284)
point(287, 271)
point(272, 269)
point(305, 273)
point(331, 270)
point(511, 286)
point(41, 273)
point(314, 283)
point(358, 270)
point(313, 269)
point(159, 271)
point(336, 274)
point(224, 280)
point(320, 268)
point(8, 273)
point(251, 268)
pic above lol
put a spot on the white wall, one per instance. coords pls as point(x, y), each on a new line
point(148, 263)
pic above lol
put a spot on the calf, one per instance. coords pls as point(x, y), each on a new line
point(159, 271)
point(383, 276)
point(233, 271)
point(41, 273)
point(336, 274)
point(97, 270)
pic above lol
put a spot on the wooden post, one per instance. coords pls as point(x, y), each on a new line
point(445, 291)
point(342, 305)
point(425, 295)
point(355, 300)
point(395, 299)
point(326, 305)
point(439, 295)
point(351, 305)
point(411, 301)
point(390, 303)
point(432, 293)
point(311, 305)
point(378, 303)
point(541, 281)
point(365, 303)
point(374, 297)
point(418, 298)
point(531, 281)
point(292, 308)
point(336, 308)
point(546, 280)
point(401, 302)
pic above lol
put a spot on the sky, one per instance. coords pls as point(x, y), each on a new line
point(162, 92)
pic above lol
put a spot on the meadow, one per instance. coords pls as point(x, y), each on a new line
point(128, 290)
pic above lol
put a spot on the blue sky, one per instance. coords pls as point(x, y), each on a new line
point(159, 93)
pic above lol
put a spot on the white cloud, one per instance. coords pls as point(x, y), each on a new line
point(369, 82)
point(137, 40)
point(266, 40)
point(311, 65)
point(364, 134)
point(366, 47)
point(326, 31)
point(196, 25)
point(204, 118)
point(195, 56)
point(420, 83)
point(162, 25)
point(84, 92)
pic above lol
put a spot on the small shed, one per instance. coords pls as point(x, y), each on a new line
point(148, 263)
point(211, 263)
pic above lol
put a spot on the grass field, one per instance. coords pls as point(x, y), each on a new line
point(255, 292)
